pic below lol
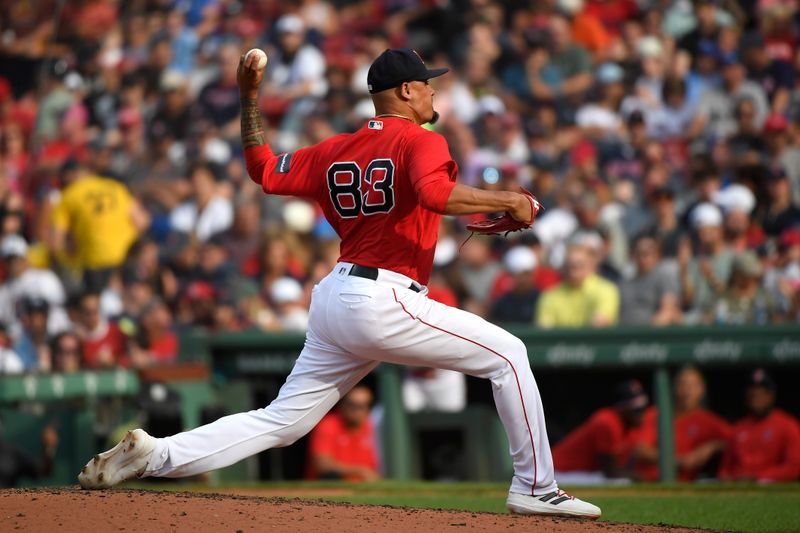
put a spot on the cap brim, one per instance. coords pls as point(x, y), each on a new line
point(429, 73)
point(436, 72)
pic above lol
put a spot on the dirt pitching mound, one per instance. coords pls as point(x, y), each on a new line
point(72, 510)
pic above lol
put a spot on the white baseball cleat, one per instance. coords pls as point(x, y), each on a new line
point(126, 460)
point(556, 503)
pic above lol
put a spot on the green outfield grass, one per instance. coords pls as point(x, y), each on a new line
point(745, 508)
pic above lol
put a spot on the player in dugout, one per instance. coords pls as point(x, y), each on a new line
point(700, 435)
point(603, 447)
point(383, 189)
point(342, 446)
point(765, 446)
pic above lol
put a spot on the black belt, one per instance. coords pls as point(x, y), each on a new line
point(372, 273)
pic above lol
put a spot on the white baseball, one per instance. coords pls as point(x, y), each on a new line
point(262, 57)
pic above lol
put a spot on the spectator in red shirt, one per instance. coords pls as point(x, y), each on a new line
point(104, 344)
point(700, 435)
point(157, 343)
point(765, 446)
point(603, 446)
point(343, 443)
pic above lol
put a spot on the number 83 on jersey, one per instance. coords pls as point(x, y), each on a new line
point(351, 195)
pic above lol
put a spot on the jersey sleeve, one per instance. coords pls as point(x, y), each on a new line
point(606, 434)
point(431, 170)
point(719, 428)
point(648, 431)
point(288, 174)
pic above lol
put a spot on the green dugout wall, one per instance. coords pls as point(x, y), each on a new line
point(240, 355)
point(236, 359)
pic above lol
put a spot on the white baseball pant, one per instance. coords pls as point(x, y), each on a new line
point(354, 324)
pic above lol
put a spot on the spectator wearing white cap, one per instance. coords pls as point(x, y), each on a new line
point(22, 280)
point(518, 305)
point(598, 245)
point(737, 203)
point(652, 295)
point(705, 276)
point(296, 74)
point(286, 295)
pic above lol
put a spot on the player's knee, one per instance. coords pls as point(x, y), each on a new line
point(518, 352)
point(514, 358)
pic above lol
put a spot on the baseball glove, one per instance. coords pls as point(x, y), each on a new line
point(506, 224)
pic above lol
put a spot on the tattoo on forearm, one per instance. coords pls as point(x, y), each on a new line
point(252, 125)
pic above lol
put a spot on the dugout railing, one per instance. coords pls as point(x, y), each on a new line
point(236, 359)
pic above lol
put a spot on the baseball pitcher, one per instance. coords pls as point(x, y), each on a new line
point(383, 189)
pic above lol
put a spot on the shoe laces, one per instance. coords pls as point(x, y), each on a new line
point(560, 493)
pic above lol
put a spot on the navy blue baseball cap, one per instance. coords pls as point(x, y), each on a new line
point(759, 378)
point(398, 65)
point(630, 395)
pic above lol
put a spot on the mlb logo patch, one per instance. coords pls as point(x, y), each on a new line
point(375, 125)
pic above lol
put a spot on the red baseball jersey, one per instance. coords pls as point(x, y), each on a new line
point(692, 430)
point(382, 188)
point(765, 449)
point(331, 438)
point(603, 434)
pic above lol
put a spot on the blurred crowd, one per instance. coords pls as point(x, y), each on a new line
point(662, 137)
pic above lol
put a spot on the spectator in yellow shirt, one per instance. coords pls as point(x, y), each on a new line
point(582, 299)
point(95, 222)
